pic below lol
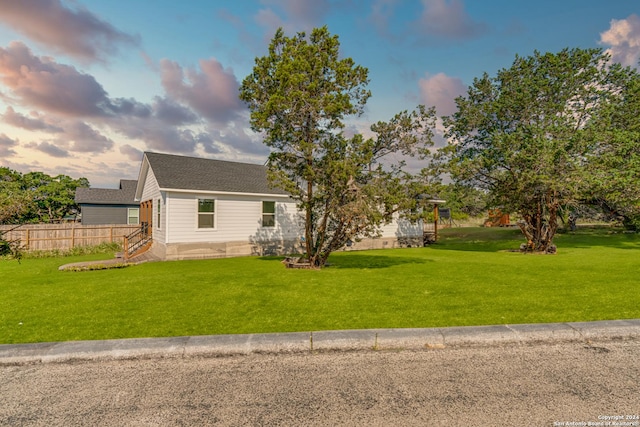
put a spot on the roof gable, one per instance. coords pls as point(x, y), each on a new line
point(125, 195)
point(198, 174)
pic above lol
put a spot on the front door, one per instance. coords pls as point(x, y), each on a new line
point(146, 215)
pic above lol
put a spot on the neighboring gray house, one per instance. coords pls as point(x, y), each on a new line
point(109, 206)
point(203, 208)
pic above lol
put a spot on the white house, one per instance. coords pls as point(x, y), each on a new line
point(203, 208)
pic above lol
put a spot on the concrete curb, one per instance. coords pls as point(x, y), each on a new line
point(301, 342)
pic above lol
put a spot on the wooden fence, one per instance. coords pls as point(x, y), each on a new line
point(47, 237)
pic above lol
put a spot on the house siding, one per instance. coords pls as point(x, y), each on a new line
point(399, 233)
point(104, 214)
point(400, 227)
point(238, 230)
point(237, 219)
point(151, 191)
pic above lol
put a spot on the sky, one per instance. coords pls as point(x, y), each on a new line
point(87, 86)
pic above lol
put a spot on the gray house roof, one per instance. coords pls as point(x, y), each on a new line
point(125, 195)
point(198, 174)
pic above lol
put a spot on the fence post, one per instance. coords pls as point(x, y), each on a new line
point(73, 237)
point(27, 239)
point(111, 234)
point(125, 251)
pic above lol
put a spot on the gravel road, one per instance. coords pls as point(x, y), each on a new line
point(541, 384)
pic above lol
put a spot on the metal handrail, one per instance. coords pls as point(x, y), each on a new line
point(136, 240)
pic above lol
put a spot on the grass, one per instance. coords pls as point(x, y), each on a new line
point(471, 277)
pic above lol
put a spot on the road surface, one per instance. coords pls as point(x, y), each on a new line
point(543, 384)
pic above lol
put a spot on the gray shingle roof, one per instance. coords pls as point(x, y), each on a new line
point(125, 195)
point(192, 173)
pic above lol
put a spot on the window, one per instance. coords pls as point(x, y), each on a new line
point(158, 214)
point(206, 213)
point(268, 214)
point(133, 216)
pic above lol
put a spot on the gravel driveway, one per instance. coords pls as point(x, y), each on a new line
point(529, 384)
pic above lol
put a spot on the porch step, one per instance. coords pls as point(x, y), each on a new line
point(142, 249)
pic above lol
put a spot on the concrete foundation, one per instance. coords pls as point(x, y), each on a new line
point(184, 251)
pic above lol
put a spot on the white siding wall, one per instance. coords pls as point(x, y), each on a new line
point(401, 228)
point(151, 191)
point(236, 218)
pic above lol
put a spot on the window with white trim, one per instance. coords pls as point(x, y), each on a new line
point(133, 216)
point(268, 214)
point(206, 213)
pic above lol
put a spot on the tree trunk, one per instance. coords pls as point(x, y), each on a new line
point(539, 230)
point(308, 230)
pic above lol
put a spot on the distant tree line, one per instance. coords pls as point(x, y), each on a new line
point(36, 197)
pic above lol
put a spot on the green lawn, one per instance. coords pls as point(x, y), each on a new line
point(469, 278)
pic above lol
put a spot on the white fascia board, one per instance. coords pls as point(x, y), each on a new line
point(229, 193)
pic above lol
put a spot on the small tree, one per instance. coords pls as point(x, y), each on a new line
point(299, 95)
point(525, 135)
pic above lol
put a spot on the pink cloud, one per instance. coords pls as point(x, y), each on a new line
point(18, 120)
point(447, 19)
point(76, 32)
point(624, 38)
point(212, 91)
point(75, 107)
point(44, 83)
point(441, 91)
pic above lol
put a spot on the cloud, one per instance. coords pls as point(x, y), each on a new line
point(447, 19)
point(131, 153)
point(46, 84)
point(36, 124)
point(441, 91)
point(171, 112)
point(212, 92)
point(200, 109)
point(85, 139)
point(233, 141)
point(270, 21)
point(299, 15)
point(75, 32)
point(6, 145)
point(156, 135)
point(381, 11)
point(624, 38)
point(40, 82)
point(46, 147)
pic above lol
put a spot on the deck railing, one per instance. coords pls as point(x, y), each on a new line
point(137, 240)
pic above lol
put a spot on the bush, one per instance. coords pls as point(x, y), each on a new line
point(10, 249)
